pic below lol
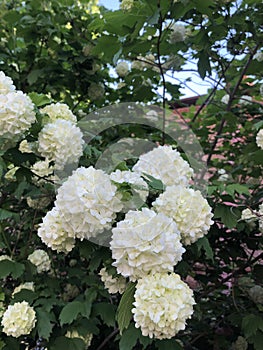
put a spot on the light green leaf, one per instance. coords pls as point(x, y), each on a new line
point(124, 313)
point(70, 312)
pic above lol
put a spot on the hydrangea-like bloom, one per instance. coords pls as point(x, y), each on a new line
point(87, 338)
point(16, 114)
point(56, 233)
point(240, 344)
point(178, 33)
point(188, 208)
point(26, 285)
point(259, 138)
point(122, 69)
point(259, 56)
point(139, 187)
point(40, 259)
point(18, 319)
point(145, 242)
point(61, 142)
point(127, 5)
point(88, 202)
point(26, 147)
point(113, 284)
point(58, 111)
point(165, 164)
point(163, 303)
point(38, 203)
point(248, 215)
point(6, 84)
point(256, 294)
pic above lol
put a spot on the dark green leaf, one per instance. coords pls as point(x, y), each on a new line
point(124, 313)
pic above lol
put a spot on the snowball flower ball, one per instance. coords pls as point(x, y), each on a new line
point(112, 284)
point(178, 33)
point(259, 138)
point(139, 188)
point(40, 259)
point(61, 142)
point(6, 84)
point(145, 242)
point(18, 319)
point(88, 202)
point(56, 233)
point(122, 69)
point(127, 5)
point(166, 164)
point(163, 303)
point(16, 114)
point(58, 111)
point(189, 210)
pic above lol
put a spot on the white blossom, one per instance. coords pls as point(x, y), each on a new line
point(26, 147)
point(245, 100)
point(56, 233)
point(145, 242)
point(259, 138)
point(166, 164)
point(87, 338)
point(16, 114)
point(41, 260)
point(240, 344)
point(260, 212)
point(26, 285)
point(18, 319)
point(88, 202)
point(178, 33)
point(225, 99)
point(127, 5)
point(163, 303)
point(61, 142)
point(38, 203)
point(248, 215)
point(58, 111)
point(6, 84)
point(189, 210)
point(5, 257)
point(256, 294)
point(259, 56)
point(112, 284)
point(122, 69)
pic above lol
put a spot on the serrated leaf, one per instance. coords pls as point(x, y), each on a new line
point(251, 323)
point(124, 314)
point(227, 215)
point(63, 343)
point(39, 99)
point(11, 268)
point(204, 243)
point(106, 312)
point(154, 183)
point(129, 338)
point(203, 64)
point(70, 312)
point(44, 325)
point(168, 344)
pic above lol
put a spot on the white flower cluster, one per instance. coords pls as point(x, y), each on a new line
point(259, 56)
point(122, 69)
point(259, 138)
point(88, 202)
point(87, 338)
point(56, 233)
point(58, 111)
point(41, 260)
point(113, 284)
point(145, 62)
point(163, 303)
point(5, 257)
point(16, 114)
point(26, 147)
point(225, 99)
point(166, 164)
point(61, 141)
point(145, 242)
point(256, 294)
point(26, 285)
point(240, 344)
point(6, 84)
point(139, 188)
point(189, 210)
point(127, 5)
point(19, 319)
point(178, 33)
point(245, 100)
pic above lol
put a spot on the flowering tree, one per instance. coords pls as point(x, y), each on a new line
point(125, 224)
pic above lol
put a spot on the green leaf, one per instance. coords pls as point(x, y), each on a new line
point(70, 312)
point(227, 214)
point(203, 243)
point(39, 99)
point(257, 340)
point(203, 64)
point(154, 183)
point(168, 344)
point(240, 189)
point(129, 338)
point(63, 343)
point(44, 325)
point(11, 268)
point(106, 312)
point(251, 323)
point(124, 314)
point(6, 214)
